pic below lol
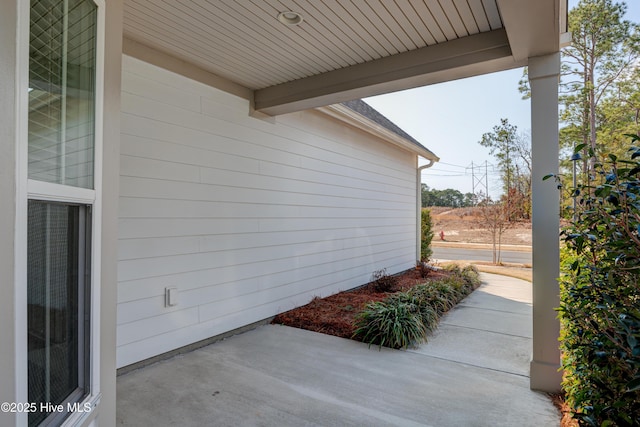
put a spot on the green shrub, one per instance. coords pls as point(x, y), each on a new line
point(471, 276)
point(432, 297)
point(465, 279)
point(600, 297)
point(404, 319)
point(425, 309)
point(392, 323)
point(426, 235)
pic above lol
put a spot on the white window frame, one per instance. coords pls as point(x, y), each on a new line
point(31, 189)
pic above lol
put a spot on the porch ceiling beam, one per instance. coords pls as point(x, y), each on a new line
point(464, 57)
point(169, 62)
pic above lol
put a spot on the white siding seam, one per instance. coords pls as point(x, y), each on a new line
point(372, 162)
point(256, 263)
point(366, 164)
point(200, 252)
point(363, 135)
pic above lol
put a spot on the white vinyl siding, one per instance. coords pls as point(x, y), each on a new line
point(246, 217)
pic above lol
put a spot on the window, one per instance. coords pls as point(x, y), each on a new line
point(58, 299)
point(61, 193)
point(62, 57)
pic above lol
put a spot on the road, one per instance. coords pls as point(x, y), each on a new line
point(478, 254)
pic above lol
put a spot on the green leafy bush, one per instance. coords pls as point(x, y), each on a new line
point(426, 235)
point(600, 296)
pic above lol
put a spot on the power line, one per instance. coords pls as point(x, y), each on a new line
point(451, 164)
point(436, 174)
point(443, 170)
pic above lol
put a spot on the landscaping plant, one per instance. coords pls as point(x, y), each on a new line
point(383, 282)
point(423, 269)
point(426, 235)
point(391, 323)
point(600, 295)
point(465, 279)
point(424, 308)
point(405, 319)
point(432, 296)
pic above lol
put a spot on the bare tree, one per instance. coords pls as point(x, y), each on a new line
point(494, 217)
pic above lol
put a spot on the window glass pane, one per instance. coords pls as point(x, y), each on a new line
point(57, 311)
point(62, 61)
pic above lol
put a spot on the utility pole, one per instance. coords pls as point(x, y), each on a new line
point(479, 180)
point(486, 177)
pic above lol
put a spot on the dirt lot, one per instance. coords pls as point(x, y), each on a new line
point(465, 225)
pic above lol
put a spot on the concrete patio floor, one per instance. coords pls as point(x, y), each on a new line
point(473, 372)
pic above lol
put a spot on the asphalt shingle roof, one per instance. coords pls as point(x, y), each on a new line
point(366, 110)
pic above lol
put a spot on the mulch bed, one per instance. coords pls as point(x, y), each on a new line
point(565, 411)
point(334, 315)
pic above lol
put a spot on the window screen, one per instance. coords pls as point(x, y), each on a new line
point(57, 294)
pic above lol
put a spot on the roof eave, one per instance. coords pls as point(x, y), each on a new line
point(357, 120)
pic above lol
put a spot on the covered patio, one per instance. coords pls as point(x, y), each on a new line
point(472, 372)
point(325, 53)
point(221, 78)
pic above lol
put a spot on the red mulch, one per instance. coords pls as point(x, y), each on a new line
point(334, 315)
point(566, 420)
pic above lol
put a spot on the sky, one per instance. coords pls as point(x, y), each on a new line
point(450, 119)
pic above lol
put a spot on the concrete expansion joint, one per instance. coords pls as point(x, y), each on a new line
point(492, 309)
point(485, 330)
point(472, 365)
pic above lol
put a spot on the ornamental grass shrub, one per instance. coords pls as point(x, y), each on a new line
point(439, 301)
point(428, 314)
point(405, 319)
point(467, 278)
point(600, 296)
point(391, 323)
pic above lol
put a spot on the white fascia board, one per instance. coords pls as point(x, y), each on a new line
point(348, 116)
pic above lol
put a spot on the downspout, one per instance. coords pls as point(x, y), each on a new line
point(419, 207)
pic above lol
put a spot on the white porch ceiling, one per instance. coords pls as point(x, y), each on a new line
point(344, 49)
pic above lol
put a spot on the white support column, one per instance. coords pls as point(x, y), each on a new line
point(544, 78)
point(106, 415)
point(418, 211)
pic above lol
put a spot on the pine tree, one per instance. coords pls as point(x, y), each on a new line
point(604, 46)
